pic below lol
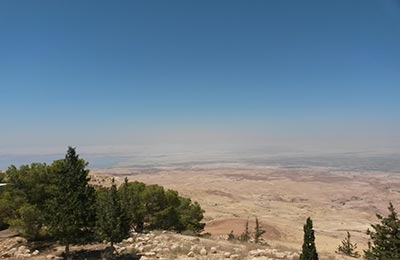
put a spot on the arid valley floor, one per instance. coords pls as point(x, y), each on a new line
point(282, 198)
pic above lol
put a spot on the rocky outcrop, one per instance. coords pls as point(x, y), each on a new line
point(159, 245)
point(166, 245)
point(14, 248)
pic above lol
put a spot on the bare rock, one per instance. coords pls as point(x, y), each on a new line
point(279, 255)
point(203, 251)
point(121, 249)
point(150, 254)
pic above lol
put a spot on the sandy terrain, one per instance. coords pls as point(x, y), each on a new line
point(282, 198)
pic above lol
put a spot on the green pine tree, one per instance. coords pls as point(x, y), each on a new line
point(132, 203)
point(111, 224)
point(258, 231)
point(385, 237)
point(71, 211)
point(309, 251)
point(348, 248)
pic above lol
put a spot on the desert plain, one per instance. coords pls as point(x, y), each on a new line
point(281, 197)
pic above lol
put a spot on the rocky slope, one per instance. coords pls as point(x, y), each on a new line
point(154, 245)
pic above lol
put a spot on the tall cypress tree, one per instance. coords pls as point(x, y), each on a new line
point(385, 238)
point(258, 231)
point(245, 236)
point(72, 213)
point(309, 250)
point(111, 225)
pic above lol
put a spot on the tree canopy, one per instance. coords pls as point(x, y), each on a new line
point(111, 224)
point(153, 207)
point(58, 202)
point(72, 205)
point(385, 237)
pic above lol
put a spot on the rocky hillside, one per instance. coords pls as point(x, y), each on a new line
point(154, 245)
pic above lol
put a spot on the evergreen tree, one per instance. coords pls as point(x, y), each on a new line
point(159, 208)
point(245, 236)
point(191, 215)
point(72, 212)
point(348, 248)
point(309, 251)
point(258, 231)
point(131, 197)
point(23, 202)
point(385, 237)
point(111, 224)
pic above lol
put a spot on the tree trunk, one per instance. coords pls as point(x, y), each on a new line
point(66, 251)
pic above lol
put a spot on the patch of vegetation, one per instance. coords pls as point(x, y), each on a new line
point(56, 202)
point(151, 207)
point(247, 236)
point(258, 232)
point(111, 222)
point(384, 241)
point(347, 247)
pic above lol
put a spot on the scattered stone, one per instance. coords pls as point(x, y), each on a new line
point(150, 254)
point(121, 249)
point(261, 258)
point(190, 254)
point(234, 257)
point(203, 251)
point(279, 255)
point(213, 250)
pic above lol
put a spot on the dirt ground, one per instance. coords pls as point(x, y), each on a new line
point(282, 198)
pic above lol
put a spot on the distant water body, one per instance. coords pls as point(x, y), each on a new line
point(355, 161)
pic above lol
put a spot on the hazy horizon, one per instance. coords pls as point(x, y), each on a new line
point(198, 80)
point(142, 156)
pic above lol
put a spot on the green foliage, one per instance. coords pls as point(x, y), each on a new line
point(153, 207)
point(348, 248)
point(385, 237)
point(258, 231)
point(131, 198)
point(2, 176)
point(245, 236)
point(111, 224)
point(72, 206)
point(56, 201)
point(309, 251)
point(23, 201)
point(191, 215)
point(3, 224)
point(30, 221)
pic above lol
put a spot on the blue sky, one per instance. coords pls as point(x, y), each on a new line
point(315, 73)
